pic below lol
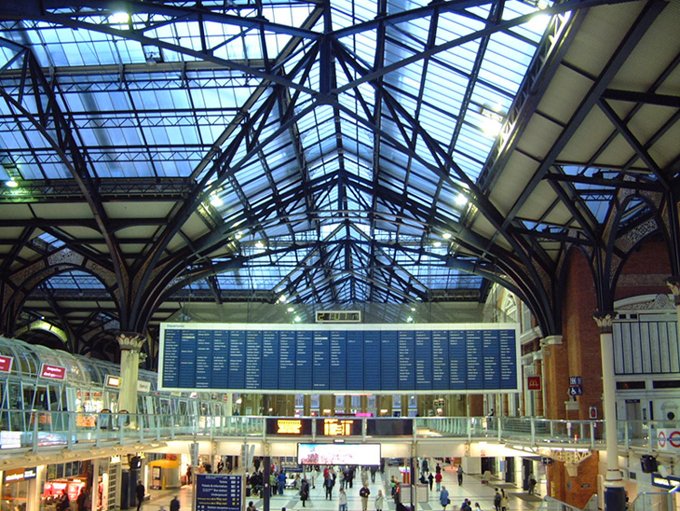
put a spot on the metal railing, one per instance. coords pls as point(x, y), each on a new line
point(37, 429)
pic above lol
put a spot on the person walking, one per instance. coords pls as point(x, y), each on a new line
point(460, 475)
point(304, 491)
point(532, 484)
point(444, 498)
point(438, 480)
point(328, 485)
point(379, 501)
point(364, 492)
point(81, 499)
point(504, 501)
point(430, 479)
point(174, 504)
point(140, 491)
point(342, 500)
point(497, 500)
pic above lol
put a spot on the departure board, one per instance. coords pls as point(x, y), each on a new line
point(460, 358)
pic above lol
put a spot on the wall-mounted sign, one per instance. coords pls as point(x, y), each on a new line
point(668, 440)
point(534, 382)
point(289, 427)
point(52, 372)
point(112, 381)
point(143, 386)
point(667, 482)
point(338, 427)
point(19, 474)
point(5, 364)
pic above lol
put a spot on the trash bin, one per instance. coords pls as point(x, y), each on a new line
point(422, 492)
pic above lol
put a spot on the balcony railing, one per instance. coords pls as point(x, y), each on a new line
point(39, 429)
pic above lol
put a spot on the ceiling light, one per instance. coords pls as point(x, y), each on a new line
point(437, 244)
point(297, 319)
point(447, 235)
point(413, 309)
point(238, 235)
point(539, 22)
point(283, 298)
point(290, 309)
point(409, 319)
point(11, 183)
point(120, 18)
point(259, 244)
point(216, 201)
point(461, 200)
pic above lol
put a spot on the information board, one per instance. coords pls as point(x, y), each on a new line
point(219, 492)
point(329, 358)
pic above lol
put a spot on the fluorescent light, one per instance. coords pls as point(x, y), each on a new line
point(11, 183)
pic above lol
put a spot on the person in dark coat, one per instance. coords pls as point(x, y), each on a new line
point(140, 491)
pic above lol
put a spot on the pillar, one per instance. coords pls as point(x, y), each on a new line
point(130, 348)
point(614, 493)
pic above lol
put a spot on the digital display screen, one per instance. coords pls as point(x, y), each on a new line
point(330, 358)
point(338, 427)
point(389, 427)
point(338, 454)
point(289, 427)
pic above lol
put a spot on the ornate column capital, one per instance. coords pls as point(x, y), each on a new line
point(604, 321)
point(131, 341)
point(673, 284)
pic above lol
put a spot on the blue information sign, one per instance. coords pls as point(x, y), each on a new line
point(219, 492)
point(322, 358)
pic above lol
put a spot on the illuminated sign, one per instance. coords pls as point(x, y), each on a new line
point(112, 381)
point(52, 372)
point(668, 482)
point(289, 427)
point(534, 382)
point(20, 474)
point(5, 364)
point(337, 427)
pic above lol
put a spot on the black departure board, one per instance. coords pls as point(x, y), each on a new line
point(334, 358)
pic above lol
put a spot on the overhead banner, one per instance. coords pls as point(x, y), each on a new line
point(331, 358)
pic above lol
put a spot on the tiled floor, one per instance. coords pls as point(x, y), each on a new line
point(472, 488)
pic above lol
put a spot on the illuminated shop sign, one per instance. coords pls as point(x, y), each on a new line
point(5, 364)
point(289, 427)
point(20, 474)
point(52, 372)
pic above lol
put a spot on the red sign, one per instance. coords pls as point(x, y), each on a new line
point(5, 364)
point(52, 372)
point(534, 382)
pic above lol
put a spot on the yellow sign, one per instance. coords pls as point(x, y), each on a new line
point(289, 426)
point(337, 427)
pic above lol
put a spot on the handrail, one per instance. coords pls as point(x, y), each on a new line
point(36, 429)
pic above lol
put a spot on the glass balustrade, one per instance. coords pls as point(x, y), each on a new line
point(35, 429)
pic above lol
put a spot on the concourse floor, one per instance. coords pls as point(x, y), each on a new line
point(472, 488)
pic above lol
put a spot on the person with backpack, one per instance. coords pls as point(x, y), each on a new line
point(497, 500)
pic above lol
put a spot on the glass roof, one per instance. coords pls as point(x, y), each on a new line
point(334, 152)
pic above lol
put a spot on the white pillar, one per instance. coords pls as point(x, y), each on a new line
point(130, 347)
point(613, 481)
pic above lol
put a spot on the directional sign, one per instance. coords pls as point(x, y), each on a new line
point(575, 390)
